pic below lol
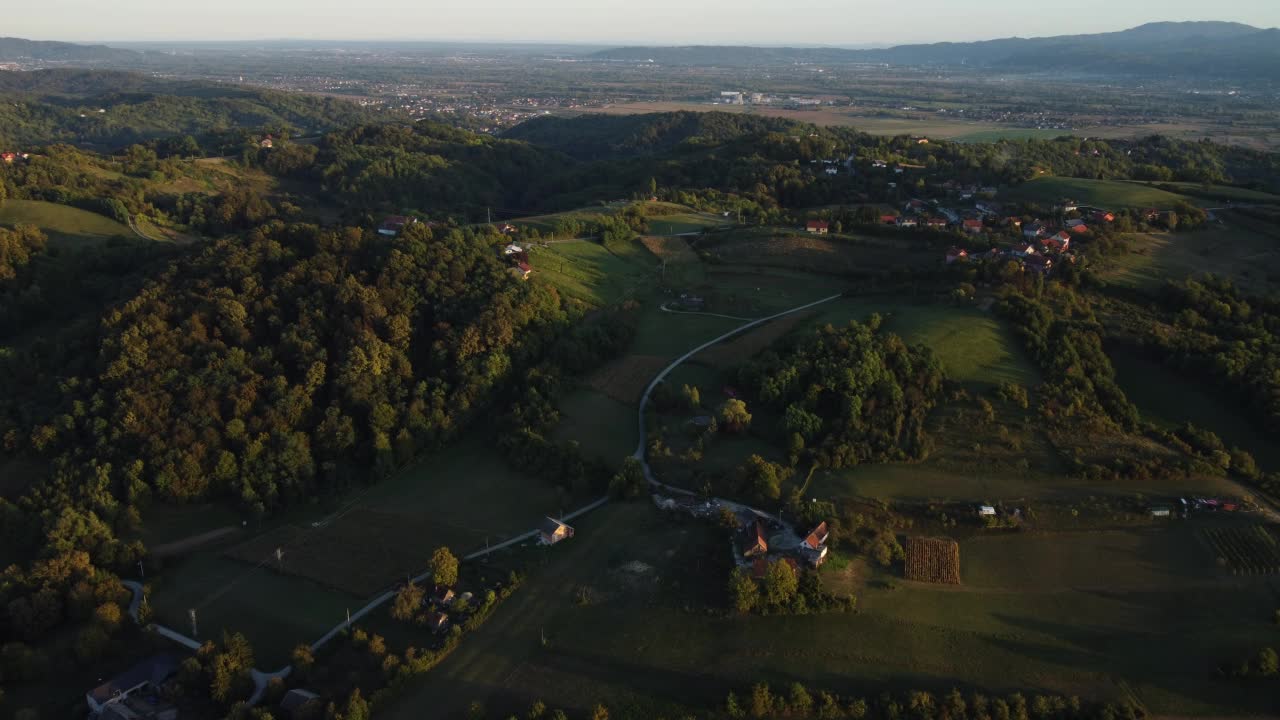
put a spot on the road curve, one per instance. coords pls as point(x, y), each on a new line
point(644, 398)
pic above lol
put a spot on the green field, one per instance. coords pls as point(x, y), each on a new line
point(974, 346)
point(689, 222)
point(647, 650)
point(588, 272)
point(276, 612)
point(1110, 194)
point(1246, 251)
point(606, 428)
point(1148, 384)
point(65, 225)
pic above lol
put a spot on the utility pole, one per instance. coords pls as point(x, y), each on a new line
point(280, 558)
point(348, 617)
point(488, 215)
point(195, 629)
point(142, 572)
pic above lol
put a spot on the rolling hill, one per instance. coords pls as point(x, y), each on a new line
point(13, 49)
point(1193, 49)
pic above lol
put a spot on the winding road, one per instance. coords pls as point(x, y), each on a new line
point(262, 679)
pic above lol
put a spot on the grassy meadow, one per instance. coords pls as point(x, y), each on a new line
point(1108, 194)
point(1244, 250)
point(66, 226)
point(643, 644)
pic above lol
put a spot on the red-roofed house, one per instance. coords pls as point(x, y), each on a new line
point(393, 224)
point(818, 536)
point(1104, 216)
point(936, 223)
point(8, 157)
point(1078, 229)
point(888, 219)
point(972, 226)
point(956, 254)
point(1060, 242)
point(819, 227)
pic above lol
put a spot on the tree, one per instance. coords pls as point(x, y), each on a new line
point(599, 712)
point(628, 483)
point(780, 583)
point(407, 601)
point(743, 592)
point(734, 416)
point(763, 478)
point(1267, 664)
point(444, 567)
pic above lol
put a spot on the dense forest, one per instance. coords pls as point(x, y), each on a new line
point(849, 395)
point(111, 110)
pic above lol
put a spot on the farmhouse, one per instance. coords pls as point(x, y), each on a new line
point(936, 223)
point(819, 227)
point(986, 511)
point(512, 249)
point(266, 143)
point(1161, 511)
point(1103, 216)
point(521, 270)
point(957, 254)
point(552, 531)
point(906, 222)
point(757, 544)
point(972, 226)
point(1024, 249)
point(1033, 231)
point(143, 679)
point(442, 595)
point(8, 157)
point(888, 219)
point(393, 224)
point(817, 537)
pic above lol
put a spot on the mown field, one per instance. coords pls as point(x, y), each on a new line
point(590, 273)
point(65, 225)
point(1110, 194)
point(646, 648)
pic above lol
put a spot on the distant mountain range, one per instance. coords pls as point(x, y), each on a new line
point(17, 49)
point(1190, 49)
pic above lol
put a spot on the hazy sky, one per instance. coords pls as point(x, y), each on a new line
point(832, 22)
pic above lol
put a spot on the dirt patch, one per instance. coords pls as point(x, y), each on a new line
point(749, 344)
point(195, 541)
point(848, 579)
point(359, 553)
point(624, 379)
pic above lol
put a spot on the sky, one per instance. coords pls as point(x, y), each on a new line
point(607, 22)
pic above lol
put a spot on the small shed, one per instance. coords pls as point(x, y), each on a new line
point(1161, 511)
point(552, 531)
point(298, 701)
point(986, 511)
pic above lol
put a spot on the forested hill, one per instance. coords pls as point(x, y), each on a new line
point(604, 137)
point(1192, 49)
point(109, 110)
point(20, 49)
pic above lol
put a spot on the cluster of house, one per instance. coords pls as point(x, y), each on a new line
point(517, 257)
point(10, 157)
point(393, 225)
point(1184, 507)
point(438, 603)
point(1042, 245)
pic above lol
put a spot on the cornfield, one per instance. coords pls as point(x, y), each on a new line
point(933, 560)
point(1246, 551)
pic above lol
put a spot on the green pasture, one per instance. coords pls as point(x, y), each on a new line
point(65, 225)
point(1110, 194)
point(646, 648)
